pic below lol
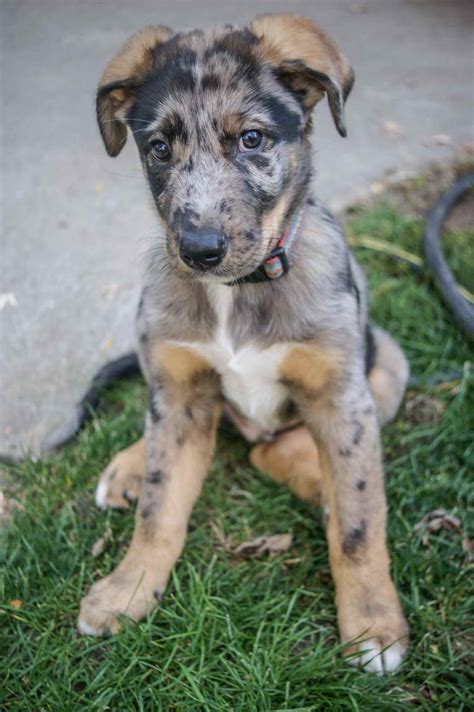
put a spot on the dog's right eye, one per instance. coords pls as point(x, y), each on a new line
point(161, 151)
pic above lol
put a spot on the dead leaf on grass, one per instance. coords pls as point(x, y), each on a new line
point(272, 545)
point(436, 520)
point(16, 603)
point(424, 409)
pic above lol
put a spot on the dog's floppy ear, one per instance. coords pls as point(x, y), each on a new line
point(120, 80)
point(306, 60)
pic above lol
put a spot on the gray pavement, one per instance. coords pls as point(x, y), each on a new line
point(76, 224)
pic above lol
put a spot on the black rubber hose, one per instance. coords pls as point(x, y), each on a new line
point(462, 309)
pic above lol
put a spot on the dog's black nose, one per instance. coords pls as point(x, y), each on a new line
point(202, 249)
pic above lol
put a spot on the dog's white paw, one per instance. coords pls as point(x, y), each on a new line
point(375, 658)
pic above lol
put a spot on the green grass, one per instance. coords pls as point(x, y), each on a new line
point(251, 635)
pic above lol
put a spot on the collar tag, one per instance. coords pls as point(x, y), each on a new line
point(277, 264)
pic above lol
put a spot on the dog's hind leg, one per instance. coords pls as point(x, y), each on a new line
point(292, 459)
point(121, 480)
point(389, 376)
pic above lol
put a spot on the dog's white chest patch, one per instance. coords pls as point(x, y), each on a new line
point(250, 375)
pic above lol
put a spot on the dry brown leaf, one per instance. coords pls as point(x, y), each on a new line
point(436, 520)
point(272, 545)
point(16, 603)
point(422, 408)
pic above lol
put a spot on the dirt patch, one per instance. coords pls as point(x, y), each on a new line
point(416, 194)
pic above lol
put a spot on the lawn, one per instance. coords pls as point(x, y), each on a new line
point(256, 634)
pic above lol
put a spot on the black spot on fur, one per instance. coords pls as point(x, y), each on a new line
point(179, 440)
point(344, 275)
point(237, 44)
point(260, 161)
point(188, 412)
point(158, 179)
point(263, 200)
point(358, 433)
point(210, 82)
point(361, 485)
point(158, 594)
point(345, 452)
point(155, 478)
point(146, 512)
point(357, 296)
point(184, 218)
point(354, 539)
point(370, 350)
point(225, 207)
point(287, 122)
point(249, 235)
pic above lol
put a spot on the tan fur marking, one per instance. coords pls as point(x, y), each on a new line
point(287, 37)
point(312, 367)
point(135, 57)
point(273, 220)
point(179, 363)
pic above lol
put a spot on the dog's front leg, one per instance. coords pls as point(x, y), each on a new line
point(180, 438)
point(353, 489)
point(330, 387)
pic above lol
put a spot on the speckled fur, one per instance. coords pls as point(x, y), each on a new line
point(199, 91)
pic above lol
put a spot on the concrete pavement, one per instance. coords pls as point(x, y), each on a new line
point(76, 224)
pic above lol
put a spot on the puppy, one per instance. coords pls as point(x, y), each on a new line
point(254, 305)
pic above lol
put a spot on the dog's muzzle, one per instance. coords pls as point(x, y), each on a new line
point(202, 249)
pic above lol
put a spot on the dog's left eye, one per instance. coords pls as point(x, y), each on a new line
point(250, 141)
point(161, 151)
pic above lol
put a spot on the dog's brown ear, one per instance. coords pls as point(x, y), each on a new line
point(120, 80)
point(306, 60)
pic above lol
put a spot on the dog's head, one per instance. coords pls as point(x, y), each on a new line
point(221, 119)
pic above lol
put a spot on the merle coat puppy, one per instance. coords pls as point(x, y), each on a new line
point(253, 305)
